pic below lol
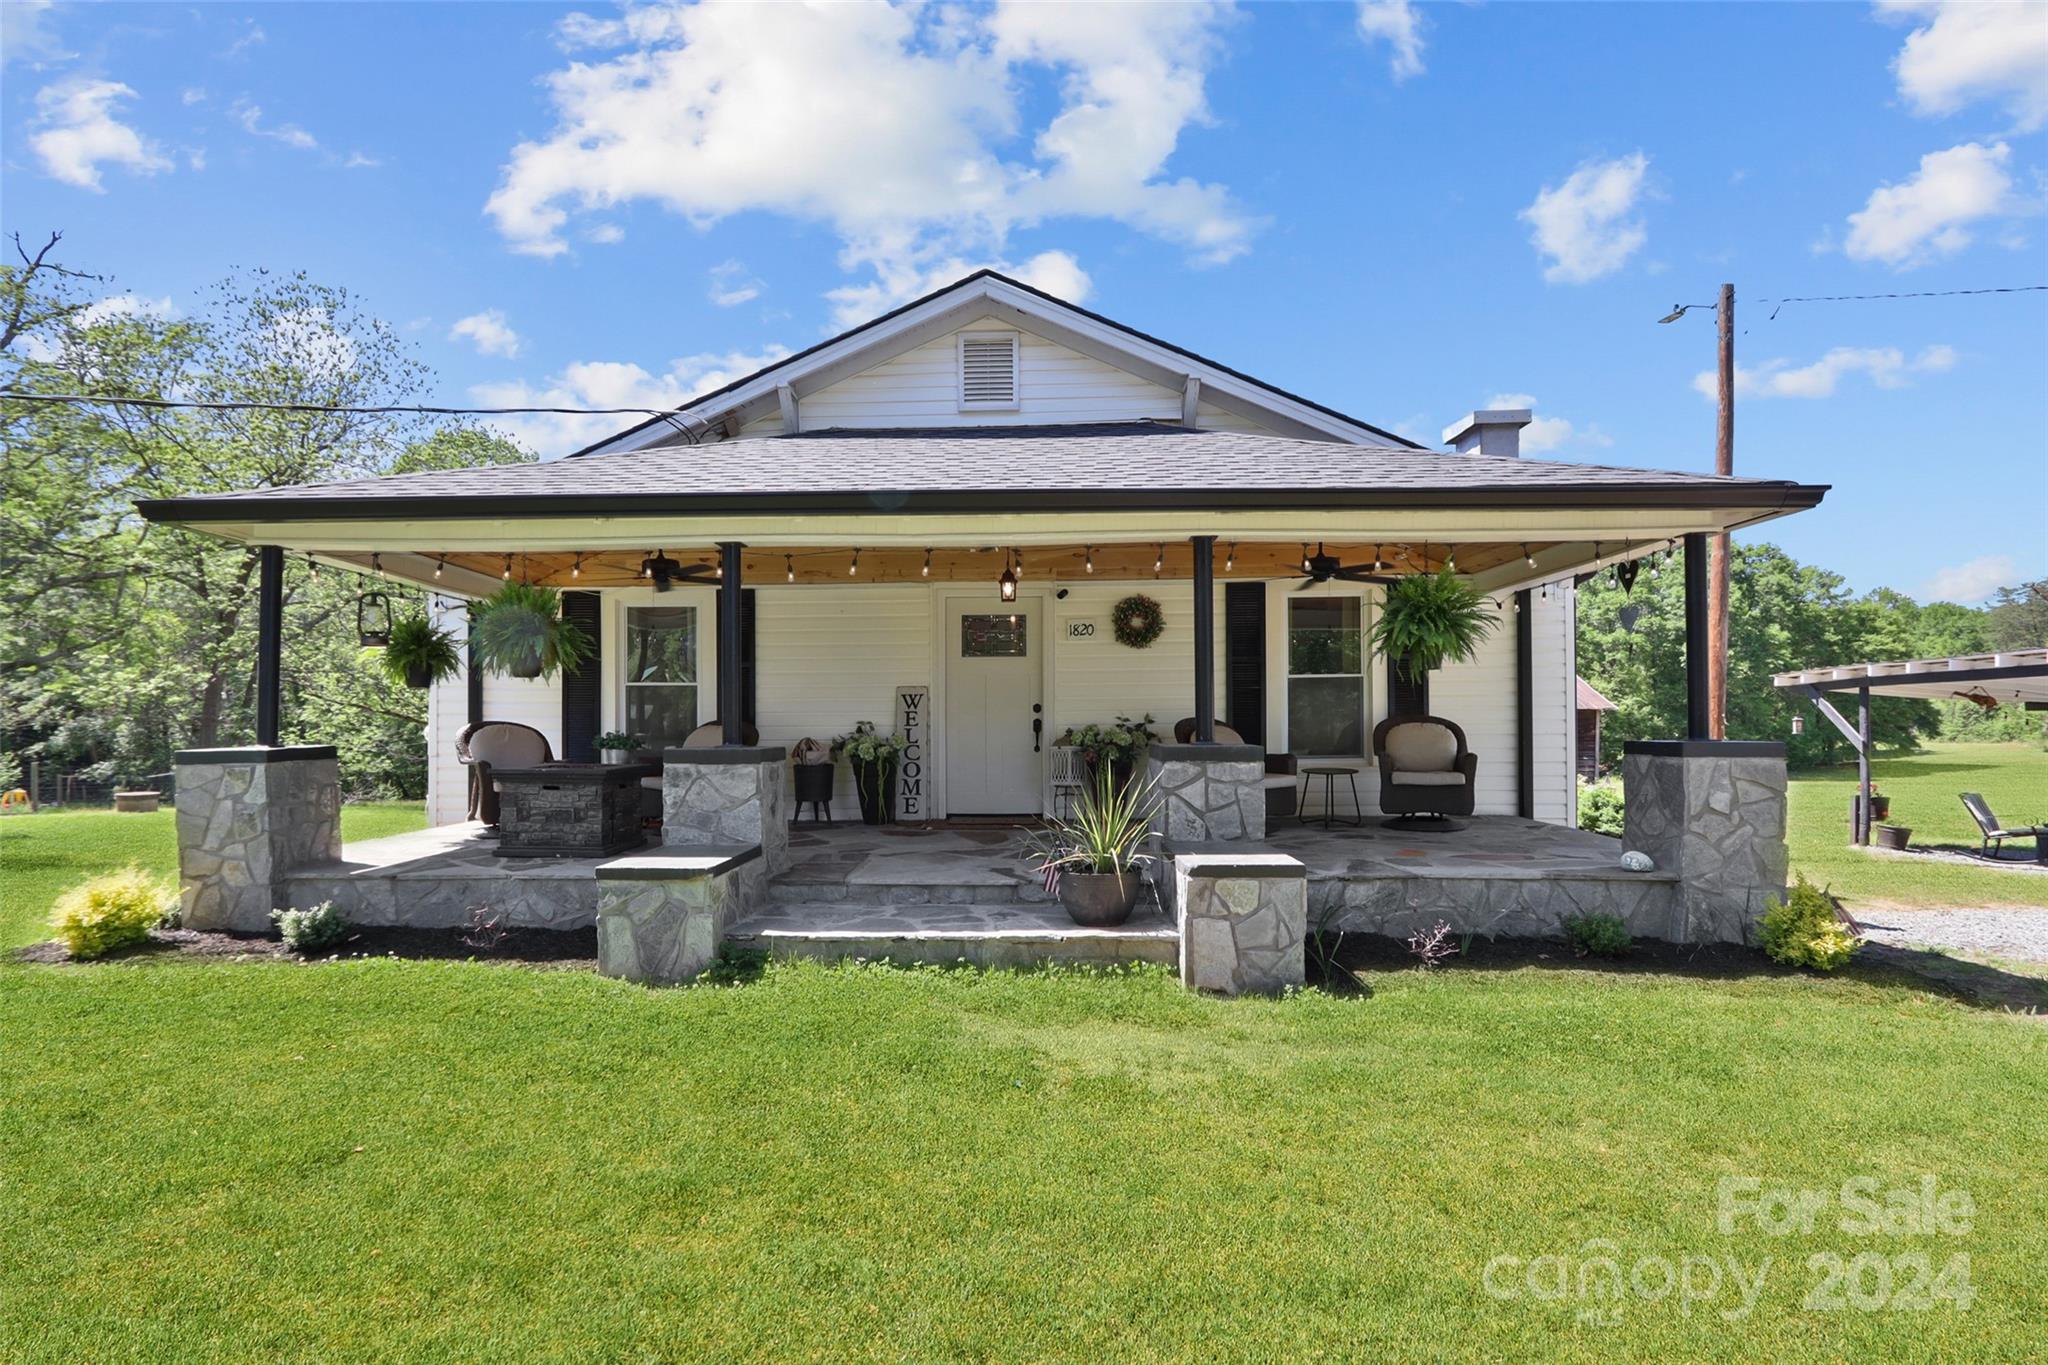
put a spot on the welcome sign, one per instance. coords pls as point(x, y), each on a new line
point(910, 723)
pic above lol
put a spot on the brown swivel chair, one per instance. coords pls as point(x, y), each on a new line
point(1425, 766)
point(492, 744)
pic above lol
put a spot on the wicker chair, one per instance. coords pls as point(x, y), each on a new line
point(497, 744)
point(1425, 766)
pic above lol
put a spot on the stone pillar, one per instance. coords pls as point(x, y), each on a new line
point(723, 795)
point(661, 916)
point(1243, 921)
point(246, 818)
point(1207, 792)
point(1712, 812)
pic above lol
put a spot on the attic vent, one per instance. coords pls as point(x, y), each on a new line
point(988, 371)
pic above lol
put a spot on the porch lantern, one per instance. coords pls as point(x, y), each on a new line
point(373, 620)
point(1007, 584)
point(1798, 723)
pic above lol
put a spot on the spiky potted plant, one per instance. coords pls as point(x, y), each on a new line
point(1431, 619)
point(520, 632)
point(1093, 858)
point(872, 755)
point(419, 653)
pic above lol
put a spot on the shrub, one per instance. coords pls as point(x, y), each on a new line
point(1597, 935)
point(1432, 945)
point(1803, 930)
point(308, 931)
point(112, 910)
point(1602, 807)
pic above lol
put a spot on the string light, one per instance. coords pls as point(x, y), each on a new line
point(853, 565)
point(1528, 558)
point(312, 567)
point(507, 574)
point(646, 565)
point(1451, 559)
point(1158, 559)
point(1088, 558)
point(926, 571)
point(789, 567)
point(1304, 558)
point(376, 564)
point(1375, 559)
point(576, 569)
point(1230, 559)
point(1020, 563)
point(1516, 598)
point(439, 565)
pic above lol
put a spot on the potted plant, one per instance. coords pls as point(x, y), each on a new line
point(1430, 619)
point(419, 653)
point(1114, 748)
point(1893, 837)
point(1092, 858)
point(520, 632)
point(616, 746)
point(872, 755)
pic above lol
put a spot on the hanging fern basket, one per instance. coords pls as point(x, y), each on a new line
point(1137, 621)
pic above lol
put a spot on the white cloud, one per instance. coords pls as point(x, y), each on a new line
point(1397, 22)
point(488, 332)
point(1886, 368)
point(1968, 50)
point(254, 36)
point(604, 234)
point(893, 125)
point(1585, 225)
point(1548, 433)
point(732, 286)
point(191, 95)
point(361, 161)
point(1971, 582)
point(127, 306)
point(608, 384)
point(1927, 216)
point(76, 133)
point(250, 116)
point(1055, 272)
point(26, 38)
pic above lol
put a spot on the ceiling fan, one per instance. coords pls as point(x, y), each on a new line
point(1322, 567)
point(666, 573)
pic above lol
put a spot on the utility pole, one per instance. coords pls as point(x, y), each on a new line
point(1717, 556)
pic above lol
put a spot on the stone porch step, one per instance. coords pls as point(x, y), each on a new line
point(946, 888)
point(986, 934)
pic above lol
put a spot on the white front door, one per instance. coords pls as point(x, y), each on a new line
point(994, 654)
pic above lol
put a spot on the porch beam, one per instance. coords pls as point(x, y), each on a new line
point(269, 643)
point(732, 725)
point(1863, 765)
point(1697, 723)
point(1827, 708)
point(1205, 639)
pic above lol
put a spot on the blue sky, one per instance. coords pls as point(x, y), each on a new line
point(1405, 211)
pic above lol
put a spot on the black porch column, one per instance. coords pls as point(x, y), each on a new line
point(269, 641)
point(1862, 824)
point(732, 723)
point(1205, 639)
point(1697, 723)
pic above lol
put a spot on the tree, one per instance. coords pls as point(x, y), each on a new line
point(2019, 616)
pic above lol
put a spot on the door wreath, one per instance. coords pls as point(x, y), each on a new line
point(1137, 621)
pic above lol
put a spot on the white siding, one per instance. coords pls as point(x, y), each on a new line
point(921, 388)
point(826, 658)
point(1554, 701)
point(534, 702)
point(1097, 679)
point(1480, 697)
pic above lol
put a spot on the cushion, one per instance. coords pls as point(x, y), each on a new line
point(508, 746)
point(1278, 782)
point(1402, 778)
point(1420, 747)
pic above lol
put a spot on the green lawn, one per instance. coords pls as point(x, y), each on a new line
point(44, 853)
point(1925, 790)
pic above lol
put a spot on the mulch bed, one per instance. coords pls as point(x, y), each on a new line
point(548, 949)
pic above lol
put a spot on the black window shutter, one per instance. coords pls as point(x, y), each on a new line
point(1244, 660)
point(583, 688)
point(747, 687)
point(1406, 696)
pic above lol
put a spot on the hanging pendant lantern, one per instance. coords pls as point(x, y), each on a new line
point(373, 620)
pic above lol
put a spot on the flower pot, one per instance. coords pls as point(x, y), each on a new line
point(524, 668)
point(419, 677)
point(813, 784)
point(875, 781)
point(1893, 837)
point(1099, 900)
point(614, 757)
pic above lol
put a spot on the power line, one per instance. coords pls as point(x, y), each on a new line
point(100, 399)
point(1915, 294)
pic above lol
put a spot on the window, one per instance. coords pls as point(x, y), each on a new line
point(988, 371)
point(992, 637)
point(661, 673)
point(1326, 676)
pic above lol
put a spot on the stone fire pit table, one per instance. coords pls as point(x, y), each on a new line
point(573, 810)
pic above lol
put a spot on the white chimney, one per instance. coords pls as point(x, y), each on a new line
point(1490, 431)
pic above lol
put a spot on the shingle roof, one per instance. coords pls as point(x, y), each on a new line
point(1095, 466)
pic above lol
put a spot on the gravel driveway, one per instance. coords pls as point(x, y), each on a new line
point(2018, 934)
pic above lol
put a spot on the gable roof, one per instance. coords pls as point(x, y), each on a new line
point(1136, 465)
point(1135, 350)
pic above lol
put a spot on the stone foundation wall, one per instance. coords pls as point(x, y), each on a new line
point(1493, 906)
point(661, 917)
point(1207, 792)
point(1243, 921)
point(246, 819)
point(720, 797)
point(1713, 813)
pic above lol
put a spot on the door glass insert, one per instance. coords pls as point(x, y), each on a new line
point(992, 637)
